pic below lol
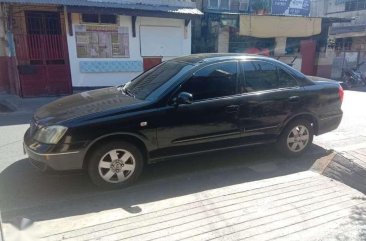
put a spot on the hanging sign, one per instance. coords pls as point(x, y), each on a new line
point(291, 7)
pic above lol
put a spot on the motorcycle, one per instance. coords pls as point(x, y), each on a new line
point(353, 77)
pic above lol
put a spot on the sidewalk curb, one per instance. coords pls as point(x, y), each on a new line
point(11, 105)
point(23, 105)
point(340, 168)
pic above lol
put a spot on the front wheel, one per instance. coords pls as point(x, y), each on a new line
point(115, 164)
point(296, 138)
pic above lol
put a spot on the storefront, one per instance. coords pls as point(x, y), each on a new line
point(347, 45)
point(58, 48)
point(291, 39)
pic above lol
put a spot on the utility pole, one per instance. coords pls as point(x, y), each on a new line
point(250, 16)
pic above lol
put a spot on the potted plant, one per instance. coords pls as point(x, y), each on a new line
point(260, 6)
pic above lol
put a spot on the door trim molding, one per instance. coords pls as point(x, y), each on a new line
point(206, 137)
point(264, 128)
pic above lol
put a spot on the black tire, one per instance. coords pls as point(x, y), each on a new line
point(282, 145)
point(102, 151)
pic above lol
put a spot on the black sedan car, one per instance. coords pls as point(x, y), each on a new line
point(187, 105)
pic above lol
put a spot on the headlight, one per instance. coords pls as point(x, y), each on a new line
point(50, 134)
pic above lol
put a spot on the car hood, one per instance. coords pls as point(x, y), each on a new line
point(85, 103)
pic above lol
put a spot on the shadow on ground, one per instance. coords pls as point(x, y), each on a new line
point(27, 193)
point(358, 218)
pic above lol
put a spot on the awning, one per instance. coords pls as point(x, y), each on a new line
point(348, 31)
point(279, 26)
point(179, 9)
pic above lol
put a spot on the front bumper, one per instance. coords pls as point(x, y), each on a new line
point(43, 158)
point(55, 161)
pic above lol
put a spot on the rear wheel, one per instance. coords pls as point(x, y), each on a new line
point(296, 138)
point(115, 164)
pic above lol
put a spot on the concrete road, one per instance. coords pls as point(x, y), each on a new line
point(252, 193)
point(351, 134)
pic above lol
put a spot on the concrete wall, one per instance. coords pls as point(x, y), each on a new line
point(318, 8)
point(80, 79)
point(330, 8)
point(223, 40)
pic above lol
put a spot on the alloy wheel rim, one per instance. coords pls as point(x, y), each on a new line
point(116, 166)
point(298, 138)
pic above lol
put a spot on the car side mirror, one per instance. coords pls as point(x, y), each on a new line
point(184, 98)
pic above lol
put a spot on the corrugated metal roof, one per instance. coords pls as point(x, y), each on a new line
point(179, 8)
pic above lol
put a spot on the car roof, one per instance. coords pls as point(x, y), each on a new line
point(213, 57)
point(198, 59)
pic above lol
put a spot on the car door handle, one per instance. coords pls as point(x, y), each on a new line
point(294, 99)
point(232, 109)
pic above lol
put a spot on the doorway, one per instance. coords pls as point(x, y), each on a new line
point(43, 56)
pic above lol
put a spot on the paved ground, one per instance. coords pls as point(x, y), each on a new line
point(252, 194)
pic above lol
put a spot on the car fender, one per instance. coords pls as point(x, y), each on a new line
point(147, 144)
point(305, 114)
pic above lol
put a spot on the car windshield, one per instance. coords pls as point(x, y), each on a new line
point(145, 84)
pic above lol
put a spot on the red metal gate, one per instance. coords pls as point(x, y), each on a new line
point(42, 56)
point(308, 52)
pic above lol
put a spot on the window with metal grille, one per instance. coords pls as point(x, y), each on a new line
point(43, 23)
point(107, 18)
point(90, 18)
point(355, 5)
point(225, 4)
point(343, 44)
point(213, 4)
point(219, 4)
point(244, 5)
point(99, 18)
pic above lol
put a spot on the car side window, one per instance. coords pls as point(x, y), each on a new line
point(216, 80)
point(285, 80)
point(261, 75)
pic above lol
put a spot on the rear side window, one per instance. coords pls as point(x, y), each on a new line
point(213, 81)
point(261, 75)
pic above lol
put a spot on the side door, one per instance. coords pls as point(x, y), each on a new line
point(210, 121)
point(269, 96)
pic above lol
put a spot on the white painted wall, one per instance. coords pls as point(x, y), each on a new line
point(280, 48)
point(223, 40)
point(111, 79)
